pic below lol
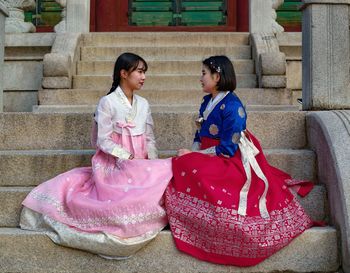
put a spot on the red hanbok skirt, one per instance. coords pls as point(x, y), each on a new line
point(202, 205)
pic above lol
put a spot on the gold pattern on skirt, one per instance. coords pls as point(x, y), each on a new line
point(118, 217)
point(213, 129)
point(241, 112)
point(236, 137)
point(235, 235)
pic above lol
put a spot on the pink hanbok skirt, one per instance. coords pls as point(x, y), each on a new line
point(111, 208)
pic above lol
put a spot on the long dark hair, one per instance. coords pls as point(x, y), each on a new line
point(224, 67)
point(129, 62)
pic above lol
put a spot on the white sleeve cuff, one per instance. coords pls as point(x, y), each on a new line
point(120, 153)
point(210, 150)
point(196, 146)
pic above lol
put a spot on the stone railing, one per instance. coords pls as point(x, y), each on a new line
point(15, 22)
point(59, 65)
point(270, 63)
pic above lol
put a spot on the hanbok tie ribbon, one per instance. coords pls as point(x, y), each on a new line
point(126, 126)
point(248, 153)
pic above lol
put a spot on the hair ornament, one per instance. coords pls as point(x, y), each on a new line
point(215, 67)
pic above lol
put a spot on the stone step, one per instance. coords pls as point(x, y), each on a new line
point(249, 96)
point(158, 82)
point(292, 52)
point(31, 167)
point(177, 108)
point(291, 44)
point(180, 39)
point(24, 251)
point(35, 131)
point(161, 67)
point(11, 199)
point(194, 53)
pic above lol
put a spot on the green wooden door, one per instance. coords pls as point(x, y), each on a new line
point(177, 13)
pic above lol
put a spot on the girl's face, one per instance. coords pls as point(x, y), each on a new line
point(209, 81)
point(134, 80)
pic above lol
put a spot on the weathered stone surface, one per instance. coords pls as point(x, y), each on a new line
point(57, 64)
point(294, 75)
point(19, 131)
point(29, 168)
point(22, 75)
point(249, 96)
point(3, 15)
point(159, 82)
point(273, 63)
point(161, 67)
point(56, 82)
point(11, 203)
point(329, 136)
point(89, 53)
point(266, 43)
point(22, 251)
point(274, 81)
point(326, 53)
point(198, 39)
point(29, 39)
point(20, 101)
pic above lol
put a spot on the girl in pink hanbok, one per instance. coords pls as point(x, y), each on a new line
point(114, 207)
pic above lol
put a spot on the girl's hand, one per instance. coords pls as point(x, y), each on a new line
point(183, 152)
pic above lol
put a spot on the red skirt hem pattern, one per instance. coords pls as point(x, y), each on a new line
point(202, 206)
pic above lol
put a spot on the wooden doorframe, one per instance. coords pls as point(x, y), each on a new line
point(104, 18)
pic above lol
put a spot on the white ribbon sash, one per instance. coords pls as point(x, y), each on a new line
point(248, 153)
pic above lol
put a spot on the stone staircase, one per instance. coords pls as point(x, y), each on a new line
point(56, 137)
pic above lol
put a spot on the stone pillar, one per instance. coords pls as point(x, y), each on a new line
point(3, 15)
point(15, 22)
point(62, 25)
point(262, 16)
point(76, 16)
point(326, 53)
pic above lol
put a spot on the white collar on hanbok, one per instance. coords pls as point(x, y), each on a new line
point(124, 100)
point(213, 102)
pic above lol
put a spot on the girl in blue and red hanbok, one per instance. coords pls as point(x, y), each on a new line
point(225, 203)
